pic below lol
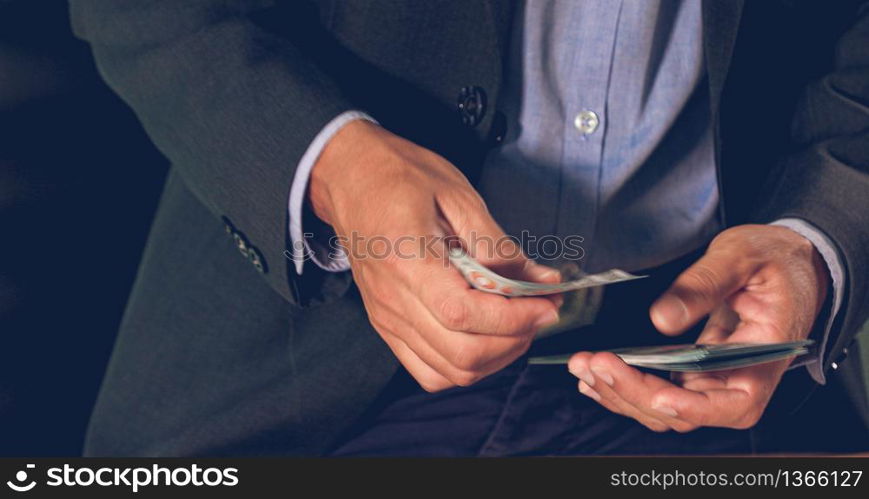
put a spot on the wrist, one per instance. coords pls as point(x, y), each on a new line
point(331, 168)
point(822, 274)
point(818, 268)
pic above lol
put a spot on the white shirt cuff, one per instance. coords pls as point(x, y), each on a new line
point(304, 247)
point(828, 252)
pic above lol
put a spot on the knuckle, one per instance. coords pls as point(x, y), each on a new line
point(457, 212)
point(432, 384)
point(703, 420)
point(380, 295)
point(601, 362)
point(498, 321)
point(748, 420)
point(453, 313)
point(726, 236)
point(683, 427)
point(466, 378)
point(508, 350)
point(703, 281)
point(656, 426)
point(473, 201)
point(522, 345)
point(469, 356)
point(378, 323)
point(614, 408)
point(742, 424)
point(741, 237)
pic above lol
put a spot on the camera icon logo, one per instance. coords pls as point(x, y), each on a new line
point(18, 485)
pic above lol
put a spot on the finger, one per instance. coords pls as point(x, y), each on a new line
point(603, 389)
point(429, 379)
point(466, 214)
point(635, 389)
point(579, 365)
point(541, 273)
point(770, 318)
point(457, 307)
point(426, 367)
point(605, 397)
point(463, 358)
point(721, 324)
point(721, 407)
point(698, 290)
point(736, 400)
point(591, 393)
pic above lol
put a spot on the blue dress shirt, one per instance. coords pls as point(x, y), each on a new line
point(610, 138)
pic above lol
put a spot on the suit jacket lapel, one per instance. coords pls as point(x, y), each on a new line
point(720, 25)
point(501, 13)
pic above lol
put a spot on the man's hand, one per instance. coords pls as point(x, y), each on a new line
point(757, 283)
point(392, 198)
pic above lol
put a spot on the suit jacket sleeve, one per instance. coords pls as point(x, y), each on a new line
point(233, 106)
point(826, 180)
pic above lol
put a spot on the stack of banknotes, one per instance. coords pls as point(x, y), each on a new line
point(698, 358)
point(686, 358)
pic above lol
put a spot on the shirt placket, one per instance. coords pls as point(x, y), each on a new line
point(585, 85)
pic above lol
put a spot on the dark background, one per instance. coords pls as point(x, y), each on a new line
point(79, 183)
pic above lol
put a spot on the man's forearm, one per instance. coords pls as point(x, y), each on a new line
point(231, 105)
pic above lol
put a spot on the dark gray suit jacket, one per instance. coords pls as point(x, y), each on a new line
point(219, 356)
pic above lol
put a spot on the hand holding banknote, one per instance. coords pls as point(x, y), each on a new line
point(757, 284)
point(371, 185)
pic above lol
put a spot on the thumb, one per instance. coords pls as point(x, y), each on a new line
point(535, 272)
point(485, 241)
point(697, 291)
point(470, 220)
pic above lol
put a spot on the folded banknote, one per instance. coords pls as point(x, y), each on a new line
point(484, 279)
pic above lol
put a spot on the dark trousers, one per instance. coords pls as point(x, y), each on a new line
point(533, 409)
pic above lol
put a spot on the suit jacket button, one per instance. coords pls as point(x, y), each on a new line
point(240, 243)
point(472, 105)
point(227, 225)
point(257, 260)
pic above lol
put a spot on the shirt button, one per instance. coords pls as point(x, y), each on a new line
point(586, 122)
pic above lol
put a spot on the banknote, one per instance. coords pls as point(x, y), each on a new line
point(726, 363)
point(698, 357)
point(702, 352)
point(484, 279)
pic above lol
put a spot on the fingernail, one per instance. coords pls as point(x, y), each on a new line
point(547, 320)
point(550, 274)
point(543, 273)
point(605, 376)
point(670, 311)
point(558, 300)
point(589, 392)
point(667, 411)
point(583, 374)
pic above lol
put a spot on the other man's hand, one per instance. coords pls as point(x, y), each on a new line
point(389, 196)
point(757, 284)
